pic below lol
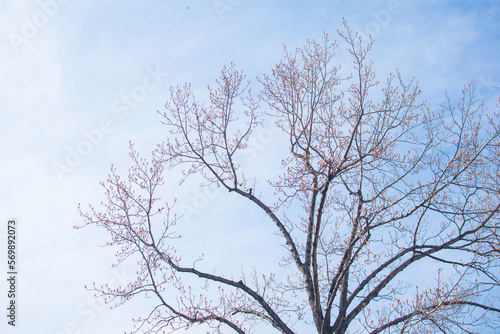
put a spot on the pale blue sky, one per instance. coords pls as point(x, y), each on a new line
point(67, 67)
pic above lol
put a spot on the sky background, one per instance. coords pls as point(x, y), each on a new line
point(67, 67)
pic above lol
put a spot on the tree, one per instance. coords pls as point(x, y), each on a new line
point(385, 185)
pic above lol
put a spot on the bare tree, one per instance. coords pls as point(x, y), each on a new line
point(388, 188)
